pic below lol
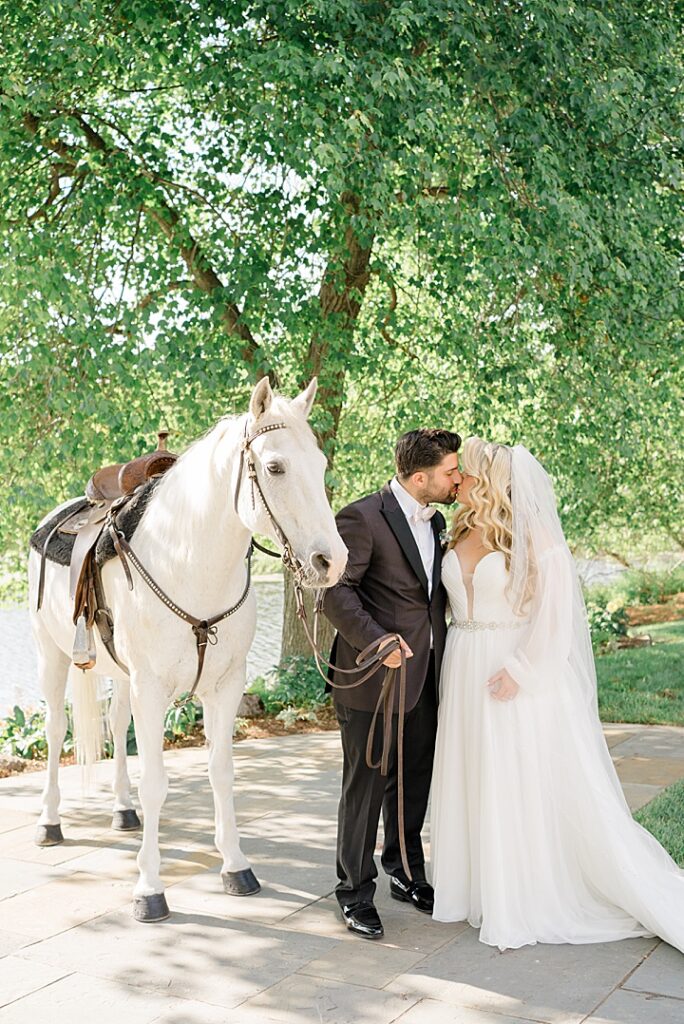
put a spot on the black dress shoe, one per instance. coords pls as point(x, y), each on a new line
point(363, 919)
point(420, 894)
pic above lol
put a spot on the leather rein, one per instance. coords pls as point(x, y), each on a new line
point(368, 661)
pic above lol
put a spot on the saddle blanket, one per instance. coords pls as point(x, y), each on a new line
point(62, 544)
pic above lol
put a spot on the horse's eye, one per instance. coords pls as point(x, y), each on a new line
point(275, 468)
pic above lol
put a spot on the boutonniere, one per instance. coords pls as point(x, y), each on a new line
point(444, 538)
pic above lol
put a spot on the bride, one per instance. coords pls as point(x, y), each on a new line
point(532, 840)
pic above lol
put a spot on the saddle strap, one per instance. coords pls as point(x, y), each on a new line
point(104, 619)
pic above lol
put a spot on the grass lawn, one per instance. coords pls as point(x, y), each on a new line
point(664, 818)
point(645, 684)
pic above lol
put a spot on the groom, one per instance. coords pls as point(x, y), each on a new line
point(391, 585)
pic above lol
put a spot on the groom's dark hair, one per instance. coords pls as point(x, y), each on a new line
point(422, 449)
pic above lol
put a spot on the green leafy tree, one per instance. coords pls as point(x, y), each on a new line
point(457, 212)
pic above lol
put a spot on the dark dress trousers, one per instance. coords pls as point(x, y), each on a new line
point(384, 590)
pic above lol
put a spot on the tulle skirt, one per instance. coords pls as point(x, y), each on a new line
point(531, 837)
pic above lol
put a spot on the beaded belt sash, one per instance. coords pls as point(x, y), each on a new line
point(471, 626)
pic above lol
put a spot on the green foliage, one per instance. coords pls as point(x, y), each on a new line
point(240, 726)
point(182, 721)
point(23, 734)
point(607, 616)
point(265, 565)
point(179, 722)
point(293, 689)
point(645, 684)
point(650, 586)
point(13, 587)
point(664, 818)
point(455, 213)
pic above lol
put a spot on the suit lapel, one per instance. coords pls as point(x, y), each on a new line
point(402, 531)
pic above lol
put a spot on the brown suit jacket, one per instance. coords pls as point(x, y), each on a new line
point(384, 590)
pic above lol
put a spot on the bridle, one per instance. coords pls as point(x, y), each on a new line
point(368, 661)
point(290, 560)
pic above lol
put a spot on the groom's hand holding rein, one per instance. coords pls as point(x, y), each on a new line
point(393, 660)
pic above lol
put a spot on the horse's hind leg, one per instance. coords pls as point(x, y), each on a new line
point(220, 708)
point(53, 667)
point(124, 817)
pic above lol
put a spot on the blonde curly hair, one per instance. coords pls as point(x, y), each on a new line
point(490, 507)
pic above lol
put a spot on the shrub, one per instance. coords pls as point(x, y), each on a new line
point(296, 684)
point(182, 721)
point(607, 616)
point(23, 734)
point(651, 586)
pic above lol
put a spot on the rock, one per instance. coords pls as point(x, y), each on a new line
point(251, 706)
point(10, 764)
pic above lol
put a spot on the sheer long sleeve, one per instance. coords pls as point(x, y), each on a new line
point(545, 647)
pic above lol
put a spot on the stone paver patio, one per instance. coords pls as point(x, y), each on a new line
point(71, 952)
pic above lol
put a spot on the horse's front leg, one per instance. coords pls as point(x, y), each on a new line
point(53, 667)
point(150, 701)
point(220, 708)
point(124, 817)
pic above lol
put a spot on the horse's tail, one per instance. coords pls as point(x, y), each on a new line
point(89, 710)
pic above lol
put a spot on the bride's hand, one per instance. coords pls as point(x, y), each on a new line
point(502, 686)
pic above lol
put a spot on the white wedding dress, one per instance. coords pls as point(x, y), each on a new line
point(532, 839)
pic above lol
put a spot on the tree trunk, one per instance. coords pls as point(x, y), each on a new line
point(340, 295)
point(294, 640)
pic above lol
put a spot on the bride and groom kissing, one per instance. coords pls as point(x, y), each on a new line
point(531, 837)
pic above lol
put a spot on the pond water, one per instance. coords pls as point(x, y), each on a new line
point(18, 669)
point(18, 673)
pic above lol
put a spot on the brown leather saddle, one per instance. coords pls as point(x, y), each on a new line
point(107, 491)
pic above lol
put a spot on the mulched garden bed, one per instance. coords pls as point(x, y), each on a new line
point(648, 614)
point(263, 727)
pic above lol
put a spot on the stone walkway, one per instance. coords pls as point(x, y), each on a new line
point(70, 951)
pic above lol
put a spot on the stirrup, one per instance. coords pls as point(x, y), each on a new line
point(83, 654)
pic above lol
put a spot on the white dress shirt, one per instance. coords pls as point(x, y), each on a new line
point(422, 531)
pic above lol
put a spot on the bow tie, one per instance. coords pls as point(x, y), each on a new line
point(424, 514)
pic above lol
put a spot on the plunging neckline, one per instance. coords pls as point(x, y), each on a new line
point(469, 586)
point(475, 568)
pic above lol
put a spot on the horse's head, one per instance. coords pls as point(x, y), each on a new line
point(290, 471)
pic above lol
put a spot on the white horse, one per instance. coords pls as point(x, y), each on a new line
point(193, 541)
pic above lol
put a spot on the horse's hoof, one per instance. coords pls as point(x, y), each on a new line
point(240, 883)
point(151, 908)
point(125, 821)
point(49, 835)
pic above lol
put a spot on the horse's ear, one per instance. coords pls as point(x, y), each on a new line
point(304, 401)
point(261, 399)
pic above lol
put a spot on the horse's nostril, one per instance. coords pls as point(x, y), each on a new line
point(320, 562)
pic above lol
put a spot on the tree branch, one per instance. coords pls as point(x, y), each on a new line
point(167, 219)
point(53, 193)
